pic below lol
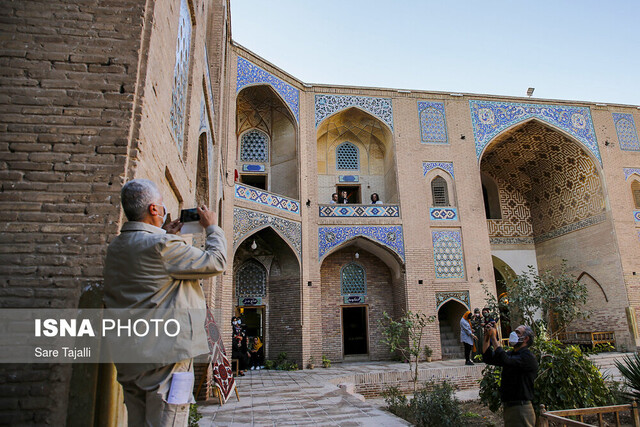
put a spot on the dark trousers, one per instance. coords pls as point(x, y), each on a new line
point(257, 357)
point(467, 351)
point(243, 359)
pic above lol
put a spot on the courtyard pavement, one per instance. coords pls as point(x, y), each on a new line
point(311, 397)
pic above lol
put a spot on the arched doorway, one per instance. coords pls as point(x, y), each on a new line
point(267, 156)
point(553, 206)
point(449, 315)
point(356, 154)
point(360, 281)
point(267, 294)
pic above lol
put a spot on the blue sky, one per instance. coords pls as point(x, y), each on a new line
point(576, 50)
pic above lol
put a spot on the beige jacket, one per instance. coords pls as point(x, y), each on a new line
point(146, 268)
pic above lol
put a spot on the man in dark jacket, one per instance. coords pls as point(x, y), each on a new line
point(519, 370)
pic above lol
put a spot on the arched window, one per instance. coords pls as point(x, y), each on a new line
point(439, 192)
point(251, 280)
point(353, 280)
point(254, 147)
point(635, 190)
point(347, 157)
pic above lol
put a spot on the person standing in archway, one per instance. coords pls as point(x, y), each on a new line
point(467, 337)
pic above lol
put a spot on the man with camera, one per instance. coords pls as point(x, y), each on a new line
point(519, 370)
point(148, 267)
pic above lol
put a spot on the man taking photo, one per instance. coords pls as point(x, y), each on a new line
point(148, 267)
point(519, 370)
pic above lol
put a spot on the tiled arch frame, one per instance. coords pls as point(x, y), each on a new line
point(451, 185)
point(330, 105)
point(492, 118)
point(247, 222)
point(390, 238)
point(249, 74)
point(460, 296)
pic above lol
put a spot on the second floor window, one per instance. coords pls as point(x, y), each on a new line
point(254, 147)
point(347, 157)
point(439, 192)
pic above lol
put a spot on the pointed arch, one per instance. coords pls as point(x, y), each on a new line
point(386, 254)
point(280, 234)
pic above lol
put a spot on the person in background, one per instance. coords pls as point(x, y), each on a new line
point(334, 198)
point(467, 337)
point(477, 324)
point(344, 197)
point(375, 199)
point(256, 349)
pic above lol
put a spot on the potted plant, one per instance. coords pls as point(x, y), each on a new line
point(427, 353)
point(311, 363)
point(326, 363)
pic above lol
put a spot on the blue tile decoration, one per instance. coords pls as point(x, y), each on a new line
point(348, 178)
point(626, 130)
point(180, 75)
point(447, 254)
point(445, 166)
point(636, 216)
point(511, 240)
point(347, 157)
point(630, 171)
point(327, 105)
point(339, 210)
point(247, 222)
point(460, 296)
point(267, 199)
point(443, 214)
point(252, 168)
point(433, 125)
point(388, 236)
point(571, 227)
point(489, 118)
point(204, 116)
point(251, 74)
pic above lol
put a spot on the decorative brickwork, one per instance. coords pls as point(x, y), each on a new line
point(433, 126)
point(247, 222)
point(559, 179)
point(489, 118)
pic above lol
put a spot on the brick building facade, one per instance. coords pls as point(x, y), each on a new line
point(475, 187)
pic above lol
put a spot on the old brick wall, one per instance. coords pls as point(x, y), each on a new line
point(67, 90)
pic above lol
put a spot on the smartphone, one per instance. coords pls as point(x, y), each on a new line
point(189, 215)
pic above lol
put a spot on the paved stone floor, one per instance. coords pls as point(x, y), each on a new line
point(269, 398)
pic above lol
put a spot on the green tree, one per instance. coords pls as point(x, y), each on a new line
point(558, 295)
point(405, 336)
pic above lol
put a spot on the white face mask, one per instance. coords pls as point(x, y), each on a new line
point(166, 213)
point(514, 338)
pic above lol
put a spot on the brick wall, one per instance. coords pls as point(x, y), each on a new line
point(67, 90)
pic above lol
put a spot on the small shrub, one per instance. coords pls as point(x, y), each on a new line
point(194, 415)
point(326, 363)
point(436, 405)
point(630, 370)
point(428, 352)
point(397, 402)
point(269, 364)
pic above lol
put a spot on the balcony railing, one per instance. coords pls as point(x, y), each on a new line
point(358, 211)
point(265, 198)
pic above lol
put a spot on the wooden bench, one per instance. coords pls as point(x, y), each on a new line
point(587, 338)
point(237, 366)
point(560, 417)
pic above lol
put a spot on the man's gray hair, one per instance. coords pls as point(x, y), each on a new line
point(136, 196)
point(528, 332)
